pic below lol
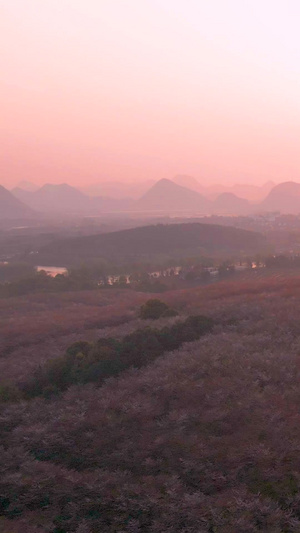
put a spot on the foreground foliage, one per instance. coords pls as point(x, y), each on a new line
point(86, 362)
point(155, 309)
point(203, 439)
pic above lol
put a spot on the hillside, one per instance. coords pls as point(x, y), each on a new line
point(204, 438)
point(13, 208)
point(230, 204)
point(285, 198)
point(23, 194)
point(168, 197)
point(145, 243)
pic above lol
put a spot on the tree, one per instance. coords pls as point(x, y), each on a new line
point(155, 309)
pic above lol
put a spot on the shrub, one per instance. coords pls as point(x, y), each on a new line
point(79, 346)
point(9, 393)
point(85, 362)
point(155, 309)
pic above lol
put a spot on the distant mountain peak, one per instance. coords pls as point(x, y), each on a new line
point(59, 189)
point(284, 197)
point(230, 203)
point(27, 186)
point(166, 196)
point(285, 187)
point(228, 195)
point(165, 181)
point(56, 186)
point(13, 208)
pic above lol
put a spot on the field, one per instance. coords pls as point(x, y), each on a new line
point(35, 327)
point(40, 326)
point(203, 439)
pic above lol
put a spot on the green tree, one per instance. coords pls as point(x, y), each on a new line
point(155, 309)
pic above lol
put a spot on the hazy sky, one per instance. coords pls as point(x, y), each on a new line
point(139, 89)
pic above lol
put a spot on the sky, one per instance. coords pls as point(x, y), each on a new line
point(131, 90)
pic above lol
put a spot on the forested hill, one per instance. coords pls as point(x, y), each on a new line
point(149, 242)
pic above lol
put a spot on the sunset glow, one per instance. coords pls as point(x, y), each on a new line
point(145, 89)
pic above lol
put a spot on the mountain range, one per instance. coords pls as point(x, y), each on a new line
point(64, 198)
point(51, 197)
point(252, 193)
point(165, 197)
point(119, 190)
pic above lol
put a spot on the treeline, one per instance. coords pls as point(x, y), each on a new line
point(20, 279)
point(86, 362)
point(10, 272)
point(84, 278)
point(283, 261)
point(43, 282)
point(17, 279)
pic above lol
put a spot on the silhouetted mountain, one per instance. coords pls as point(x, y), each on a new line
point(284, 197)
point(118, 190)
point(228, 203)
point(27, 186)
point(107, 205)
point(190, 182)
point(68, 200)
point(23, 195)
point(60, 197)
point(13, 208)
point(146, 243)
point(168, 197)
point(165, 196)
point(252, 193)
point(54, 198)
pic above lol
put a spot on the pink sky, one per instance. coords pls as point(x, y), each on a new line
point(137, 89)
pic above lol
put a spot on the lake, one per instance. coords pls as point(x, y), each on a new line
point(52, 270)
